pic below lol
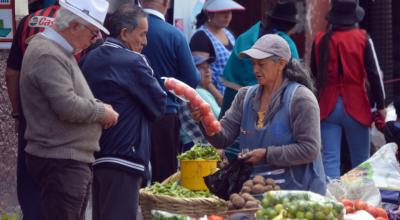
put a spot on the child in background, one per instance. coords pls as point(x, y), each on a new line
point(190, 132)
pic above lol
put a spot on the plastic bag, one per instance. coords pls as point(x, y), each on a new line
point(382, 168)
point(229, 179)
point(294, 204)
point(394, 212)
point(162, 215)
point(353, 189)
point(359, 215)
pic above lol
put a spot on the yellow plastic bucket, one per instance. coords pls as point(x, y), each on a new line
point(193, 171)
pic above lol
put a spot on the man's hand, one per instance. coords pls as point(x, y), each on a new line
point(254, 156)
point(110, 117)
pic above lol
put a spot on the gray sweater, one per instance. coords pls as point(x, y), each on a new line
point(63, 118)
point(304, 120)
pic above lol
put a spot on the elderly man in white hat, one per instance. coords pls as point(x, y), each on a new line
point(64, 120)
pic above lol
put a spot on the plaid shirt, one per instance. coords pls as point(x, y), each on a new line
point(189, 126)
point(221, 57)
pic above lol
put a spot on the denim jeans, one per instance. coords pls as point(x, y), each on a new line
point(357, 136)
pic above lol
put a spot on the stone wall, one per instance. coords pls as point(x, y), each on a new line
point(8, 147)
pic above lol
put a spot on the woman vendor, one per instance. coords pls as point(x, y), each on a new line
point(277, 119)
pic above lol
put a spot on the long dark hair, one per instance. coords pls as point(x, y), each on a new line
point(295, 71)
point(201, 19)
point(322, 66)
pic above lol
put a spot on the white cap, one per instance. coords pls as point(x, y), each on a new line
point(267, 46)
point(92, 11)
point(221, 5)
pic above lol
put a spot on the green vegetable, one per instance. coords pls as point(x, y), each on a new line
point(160, 215)
point(198, 152)
point(175, 190)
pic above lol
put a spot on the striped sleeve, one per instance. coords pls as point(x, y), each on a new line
point(374, 74)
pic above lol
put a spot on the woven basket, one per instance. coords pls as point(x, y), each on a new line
point(194, 207)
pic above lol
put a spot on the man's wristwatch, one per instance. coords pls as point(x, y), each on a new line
point(15, 115)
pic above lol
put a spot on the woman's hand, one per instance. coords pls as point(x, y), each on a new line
point(254, 156)
point(382, 112)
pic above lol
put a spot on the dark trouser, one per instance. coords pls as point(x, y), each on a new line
point(115, 194)
point(64, 186)
point(165, 146)
point(27, 190)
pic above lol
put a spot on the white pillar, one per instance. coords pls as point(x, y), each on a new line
point(21, 8)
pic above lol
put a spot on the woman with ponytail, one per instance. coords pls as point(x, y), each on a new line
point(212, 39)
point(277, 119)
point(344, 62)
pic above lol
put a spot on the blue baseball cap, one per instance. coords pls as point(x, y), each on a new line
point(198, 59)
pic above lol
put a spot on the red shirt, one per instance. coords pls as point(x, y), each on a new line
point(28, 27)
point(347, 76)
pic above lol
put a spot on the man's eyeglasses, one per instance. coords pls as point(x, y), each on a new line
point(95, 34)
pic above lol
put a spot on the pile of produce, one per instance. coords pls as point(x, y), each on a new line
point(198, 152)
point(245, 199)
point(298, 205)
point(353, 206)
point(175, 190)
point(259, 185)
point(210, 123)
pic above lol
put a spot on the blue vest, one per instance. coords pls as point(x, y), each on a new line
point(278, 132)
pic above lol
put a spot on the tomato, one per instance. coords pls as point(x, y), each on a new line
point(205, 108)
point(349, 209)
point(196, 102)
point(215, 217)
point(371, 210)
point(381, 218)
point(380, 212)
point(347, 202)
point(170, 84)
point(190, 94)
point(208, 119)
point(179, 90)
point(359, 204)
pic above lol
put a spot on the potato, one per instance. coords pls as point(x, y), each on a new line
point(268, 188)
point(233, 195)
point(248, 197)
point(248, 183)
point(269, 181)
point(258, 180)
point(251, 204)
point(246, 189)
point(230, 206)
point(258, 188)
point(238, 202)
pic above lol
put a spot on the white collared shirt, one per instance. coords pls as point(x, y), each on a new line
point(53, 35)
point(154, 12)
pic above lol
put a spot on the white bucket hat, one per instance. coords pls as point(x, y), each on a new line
point(92, 11)
point(221, 5)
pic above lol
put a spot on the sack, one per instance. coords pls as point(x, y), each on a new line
point(229, 179)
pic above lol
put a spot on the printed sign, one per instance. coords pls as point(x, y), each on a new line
point(7, 23)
